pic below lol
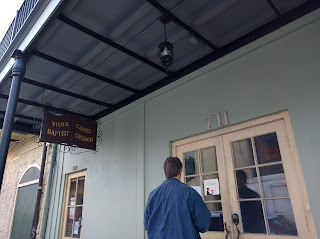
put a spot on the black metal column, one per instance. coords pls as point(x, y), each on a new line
point(37, 207)
point(18, 71)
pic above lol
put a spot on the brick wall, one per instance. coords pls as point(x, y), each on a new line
point(21, 156)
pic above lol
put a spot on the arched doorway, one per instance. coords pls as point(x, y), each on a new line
point(25, 203)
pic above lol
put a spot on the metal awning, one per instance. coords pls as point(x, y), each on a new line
point(94, 57)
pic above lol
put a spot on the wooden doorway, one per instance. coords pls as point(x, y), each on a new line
point(250, 178)
point(25, 204)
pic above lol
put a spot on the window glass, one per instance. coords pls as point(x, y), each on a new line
point(247, 183)
point(242, 153)
point(194, 182)
point(80, 191)
point(267, 148)
point(69, 223)
point(273, 181)
point(72, 194)
point(191, 164)
point(208, 160)
point(216, 218)
point(77, 222)
point(211, 190)
point(252, 216)
point(280, 217)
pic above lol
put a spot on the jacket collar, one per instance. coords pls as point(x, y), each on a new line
point(172, 179)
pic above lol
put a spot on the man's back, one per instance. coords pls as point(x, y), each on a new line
point(175, 211)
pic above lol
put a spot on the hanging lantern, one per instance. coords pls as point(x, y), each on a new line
point(165, 51)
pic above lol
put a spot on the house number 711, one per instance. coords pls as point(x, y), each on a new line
point(218, 116)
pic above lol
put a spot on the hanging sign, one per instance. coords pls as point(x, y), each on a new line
point(68, 130)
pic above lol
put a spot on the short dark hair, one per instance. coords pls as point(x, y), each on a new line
point(172, 167)
point(241, 175)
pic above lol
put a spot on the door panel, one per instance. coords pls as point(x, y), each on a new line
point(258, 174)
point(204, 170)
point(24, 210)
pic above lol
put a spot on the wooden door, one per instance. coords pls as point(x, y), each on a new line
point(204, 170)
point(25, 204)
point(263, 188)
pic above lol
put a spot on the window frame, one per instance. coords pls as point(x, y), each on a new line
point(65, 206)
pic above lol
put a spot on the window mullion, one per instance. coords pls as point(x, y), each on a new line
point(200, 174)
point(260, 185)
point(74, 215)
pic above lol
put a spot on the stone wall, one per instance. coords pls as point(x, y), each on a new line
point(21, 156)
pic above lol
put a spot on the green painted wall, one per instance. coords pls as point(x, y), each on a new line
point(114, 185)
point(280, 71)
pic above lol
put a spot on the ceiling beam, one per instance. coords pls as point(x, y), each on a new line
point(81, 70)
point(179, 22)
point(50, 108)
point(274, 8)
point(149, 50)
point(290, 16)
point(22, 117)
point(96, 49)
point(65, 92)
point(108, 41)
point(19, 127)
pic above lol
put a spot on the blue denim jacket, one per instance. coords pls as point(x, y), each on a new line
point(175, 211)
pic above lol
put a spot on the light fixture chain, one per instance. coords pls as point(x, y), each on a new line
point(165, 32)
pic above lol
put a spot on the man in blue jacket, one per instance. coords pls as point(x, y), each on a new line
point(175, 210)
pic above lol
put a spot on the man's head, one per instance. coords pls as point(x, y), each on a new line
point(172, 167)
point(241, 179)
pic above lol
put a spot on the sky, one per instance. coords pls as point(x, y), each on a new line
point(8, 9)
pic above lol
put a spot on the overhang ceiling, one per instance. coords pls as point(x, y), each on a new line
point(16, 138)
point(94, 56)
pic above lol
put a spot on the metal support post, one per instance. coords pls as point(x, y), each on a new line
point(47, 199)
point(37, 207)
point(18, 71)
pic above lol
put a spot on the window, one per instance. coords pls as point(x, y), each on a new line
point(73, 205)
point(201, 168)
point(250, 170)
point(262, 192)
